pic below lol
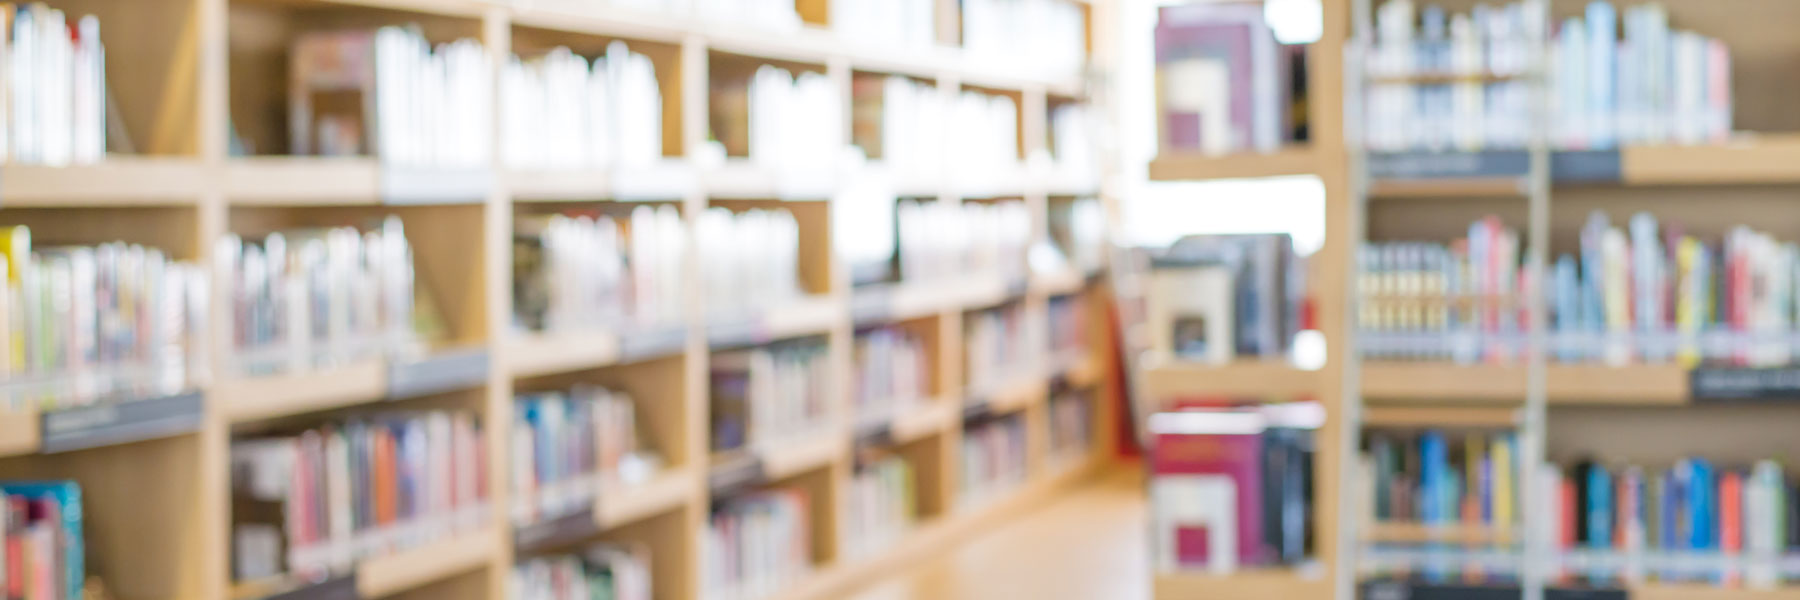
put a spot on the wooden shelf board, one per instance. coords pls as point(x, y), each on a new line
point(1060, 283)
point(785, 459)
point(621, 505)
point(934, 415)
point(576, 16)
point(1007, 182)
point(259, 398)
point(19, 433)
point(471, 9)
point(120, 180)
point(550, 185)
point(1631, 385)
point(1012, 395)
point(1698, 591)
point(744, 179)
point(1191, 167)
point(1083, 370)
point(1173, 380)
point(301, 180)
point(1411, 415)
point(1762, 159)
point(1244, 585)
point(1483, 187)
point(810, 315)
point(532, 355)
point(1443, 382)
point(412, 568)
point(1419, 533)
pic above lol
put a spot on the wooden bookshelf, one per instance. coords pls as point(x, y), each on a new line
point(621, 504)
point(1186, 167)
point(1443, 382)
point(1419, 533)
point(268, 397)
point(413, 568)
point(543, 354)
point(1691, 591)
point(1757, 159)
point(18, 433)
point(120, 181)
point(1247, 379)
point(1411, 415)
point(1244, 585)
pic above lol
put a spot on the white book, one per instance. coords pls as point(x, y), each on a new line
point(90, 94)
point(1688, 54)
point(1603, 35)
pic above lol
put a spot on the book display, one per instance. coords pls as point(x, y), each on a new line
point(260, 273)
point(994, 459)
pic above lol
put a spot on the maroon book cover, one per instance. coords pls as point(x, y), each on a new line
point(1222, 32)
point(1220, 443)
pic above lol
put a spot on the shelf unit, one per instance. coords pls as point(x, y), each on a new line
point(185, 188)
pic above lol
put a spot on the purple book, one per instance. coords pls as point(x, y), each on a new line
point(1214, 32)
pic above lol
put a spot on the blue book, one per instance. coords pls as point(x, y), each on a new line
point(1434, 460)
point(1603, 43)
point(1593, 272)
point(1567, 304)
point(1486, 494)
point(415, 453)
point(1600, 513)
point(1673, 497)
point(67, 496)
point(1702, 506)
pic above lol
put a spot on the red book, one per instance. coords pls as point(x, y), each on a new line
point(17, 516)
point(384, 477)
point(1194, 452)
point(1731, 512)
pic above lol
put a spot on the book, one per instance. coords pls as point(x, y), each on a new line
point(893, 374)
point(1230, 491)
point(561, 111)
point(1263, 313)
point(55, 552)
point(993, 458)
point(773, 394)
point(941, 241)
point(389, 93)
point(1223, 80)
point(758, 543)
point(999, 347)
point(881, 502)
point(750, 260)
point(611, 571)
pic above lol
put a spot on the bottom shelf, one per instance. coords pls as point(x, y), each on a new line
point(1246, 585)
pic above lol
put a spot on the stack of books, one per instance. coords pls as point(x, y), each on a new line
point(1080, 230)
point(1650, 292)
point(414, 105)
point(317, 297)
point(770, 395)
point(314, 503)
point(41, 543)
point(1071, 423)
point(1225, 84)
point(566, 446)
point(901, 121)
point(987, 136)
point(993, 459)
point(1461, 301)
point(1072, 146)
point(940, 240)
point(608, 571)
point(582, 271)
point(1233, 488)
point(1438, 479)
point(750, 260)
point(909, 24)
point(1068, 326)
point(758, 544)
point(881, 507)
point(1463, 82)
point(558, 111)
point(1000, 347)
point(796, 123)
point(55, 108)
point(770, 15)
point(1036, 36)
point(893, 374)
point(86, 324)
point(1217, 298)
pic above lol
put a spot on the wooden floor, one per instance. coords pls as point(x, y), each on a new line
point(1088, 545)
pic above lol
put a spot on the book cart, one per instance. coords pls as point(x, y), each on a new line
point(157, 474)
point(1562, 407)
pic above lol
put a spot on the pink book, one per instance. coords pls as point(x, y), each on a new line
point(1226, 444)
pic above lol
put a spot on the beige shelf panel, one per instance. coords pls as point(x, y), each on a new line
point(785, 459)
point(533, 355)
point(1412, 415)
point(410, 569)
point(620, 505)
point(935, 415)
point(19, 433)
point(299, 180)
point(1183, 167)
point(1694, 591)
point(1013, 395)
point(1495, 187)
point(118, 181)
point(1757, 160)
point(1634, 385)
point(1244, 379)
point(1443, 382)
point(260, 398)
point(1060, 283)
point(1244, 585)
point(1419, 533)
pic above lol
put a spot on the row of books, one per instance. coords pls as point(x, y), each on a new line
point(1000, 346)
point(84, 324)
point(1652, 292)
point(893, 374)
point(388, 92)
point(986, 128)
point(1650, 85)
point(53, 111)
point(598, 572)
point(994, 459)
point(315, 502)
point(758, 544)
point(1644, 292)
point(881, 507)
point(749, 260)
point(770, 394)
point(1459, 301)
point(1071, 423)
point(1438, 478)
point(942, 240)
point(41, 541)
point(566, 446)
point(1490, 53)
point(559, 111)
point(1048, 36)
point(1233, 488)
point(1225, 84)
point(902, 122)
point(795, 121)
point(314, 297)
point(770, 15)
point(1215, 298)
point(1079, 228)
point(587, 270)
point(1068, 326)
point(910, 24)
point(1072, 142)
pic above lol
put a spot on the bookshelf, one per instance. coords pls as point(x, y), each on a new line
point(208, 112)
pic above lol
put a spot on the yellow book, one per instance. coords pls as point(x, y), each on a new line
point(15, 252)
point(1503, 480)
point(1474, 449)
point(1687, 305)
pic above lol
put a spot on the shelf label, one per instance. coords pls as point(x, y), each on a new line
point(1436, 165)
point(875, 434)
point(978, 409)
point(1726, 384)
point(558, 532)
point(124, 422)
point(1407, 590)
point(1586, 166)
point(871, 307)
point(336, 588)
point(654, 343)
point(443, 372)
point(415, 185)
point(736, 333)
point(735, 476)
